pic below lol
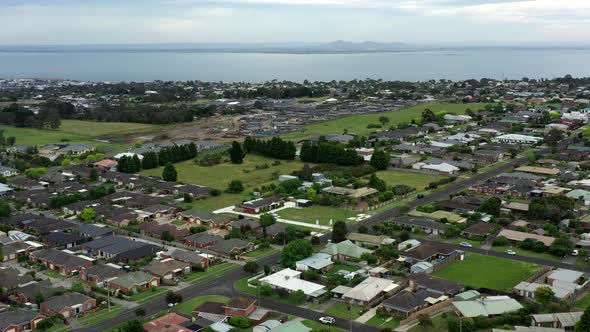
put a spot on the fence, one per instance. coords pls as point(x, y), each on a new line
point(427, 311)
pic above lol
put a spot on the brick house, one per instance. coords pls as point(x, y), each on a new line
point(60, 261)
point(132, 282)
point(240, 306)
point(19, 320)
point(69, 305)
point(202, 240)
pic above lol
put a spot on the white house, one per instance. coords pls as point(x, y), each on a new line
point(517, 139)
point(6, 171)
point(290, 280)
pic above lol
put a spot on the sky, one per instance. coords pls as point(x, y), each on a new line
point(446, 22)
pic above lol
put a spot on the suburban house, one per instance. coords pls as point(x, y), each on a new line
point(517, 139)
point(367, 240)
point(61, 261)
point(199, 217)
point(133, 282)
point(190, 257)
point(370, 292)
point(6, 171)
point(240, 306)
point(19, 320)
point(100, 274)
point(27, 292)
point(320, 262)
point(120, 248)
point(168, 268)
point(428, 226)
point(487, 306)
point(516, 236)
point(428, 252)
point(562, 320)
point(171, 322)
point(345, 250)
point(69, 305)
point(479, 229)
point(63, 240)
point(405, 303)
point(261, 205)
point(290, 281)
point(16, 249)
point(232, 247)
point(434, 285)
point(358, 193)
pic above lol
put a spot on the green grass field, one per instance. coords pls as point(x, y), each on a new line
point(317, 212)
point(383, 322)
point(488, 272)
point(342, 311)
point(357, 124)
point(440, 325)
point(528, 253)
point(415, 180)
point(77, 131)
point(583, 302)
point(317, 326)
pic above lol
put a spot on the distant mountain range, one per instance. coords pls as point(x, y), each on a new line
point(335, 47)
point(339, 46)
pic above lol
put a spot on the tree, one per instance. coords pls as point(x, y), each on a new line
point(251, 267)
point(39, 298)
point(339, 231)
point(380, 160)
point(267, 269)
point(133, 326)
point(4, 209)
point(77, 286)
point(384, 120)
point(377, 183)
point(236, 153)
point(239, 322)
point(169, 173)
point(235, 187)
point(295, 251)
point(88, 214)
point(544, 294)
point(553, 137)
point(93, 175)
point(172, 297)
point(298, 297)
point(425, 322)
point(265, 290)
point(363, 229)
point(491, 206)
point(140, 312)
point(584, 324)
point(267, 220)
point(167, 236)
point(562, 246)
point(428, 116)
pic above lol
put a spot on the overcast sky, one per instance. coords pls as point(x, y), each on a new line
point(478, 22)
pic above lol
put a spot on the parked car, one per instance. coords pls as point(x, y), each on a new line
point(465, 244)
point(510, 252)
point(576, 252)
point(327, 320)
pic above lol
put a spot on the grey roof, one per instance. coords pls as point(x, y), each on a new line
point(10, 278)
point(227, 246)
point(57, 303)
point(43, 287)
point(59, 257)
point(16, 317)
point(203, 237)
point(436, 285)
point(186, 256)
point(421, 222)
point(405, 301)
point(92, 230)
point(104, 271)
point(113, 245)
point(61, 238)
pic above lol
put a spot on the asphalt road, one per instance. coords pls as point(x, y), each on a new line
point(224, 285)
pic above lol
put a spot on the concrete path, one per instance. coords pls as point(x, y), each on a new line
point(367, 315)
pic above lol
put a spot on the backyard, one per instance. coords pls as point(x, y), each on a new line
point(479, 271)
point(187, 307)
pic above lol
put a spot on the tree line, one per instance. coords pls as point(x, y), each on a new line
point(173, 154)
point(329, 153)
point(275, 147)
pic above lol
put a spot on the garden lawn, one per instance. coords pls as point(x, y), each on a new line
point(213, 272)
point(317, 212)
point(383, 322)
point(414, 180)
point(358, 123)
point(53, 274)
point(479, 271)
point(583, 302)
point(528, 253)
point(148, 295)
point(102, 315)
point(341, 310)
point(440, 325)
point(260, 253)
point(187, 307)
point(317, 326)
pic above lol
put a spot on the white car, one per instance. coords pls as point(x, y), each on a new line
point(327, 320)
point(575, 252)
point(465, 244)
point(510, 252)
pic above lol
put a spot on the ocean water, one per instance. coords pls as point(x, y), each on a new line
point(455, 64)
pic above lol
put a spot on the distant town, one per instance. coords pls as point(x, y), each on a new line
point(279, 206)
